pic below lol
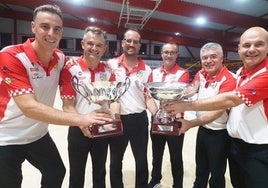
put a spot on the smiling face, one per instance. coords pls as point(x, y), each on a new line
point(253, 47)
point(211, 61)
point(131, 43)
point(48, 28)
point(94, 46)
point(169, 54)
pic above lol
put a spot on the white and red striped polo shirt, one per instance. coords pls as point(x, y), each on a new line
point(249, 121)
point(133, 101)
point(85, 75)
point(22, 73)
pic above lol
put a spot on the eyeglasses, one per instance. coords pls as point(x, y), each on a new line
point(212, 57)
point(129, 41)
point(169, 53)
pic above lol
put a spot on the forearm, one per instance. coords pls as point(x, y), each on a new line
point(221, 101)
point(52, 115)
point(206, 118)
point(151, 105)
point(36, 110)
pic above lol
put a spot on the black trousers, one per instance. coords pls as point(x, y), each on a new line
point(175, 144)
point(212, 147)
point(79, 147)
point(42, 154)
point(136, 133)
point(248, 164)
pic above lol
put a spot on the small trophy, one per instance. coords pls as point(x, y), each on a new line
point(103, 93)
point(162, 123)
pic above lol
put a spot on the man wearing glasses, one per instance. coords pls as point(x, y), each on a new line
point(133, 111)
point(169, 71)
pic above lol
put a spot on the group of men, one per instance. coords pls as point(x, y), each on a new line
point(30, 74)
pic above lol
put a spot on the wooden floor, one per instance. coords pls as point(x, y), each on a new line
point(31, 177)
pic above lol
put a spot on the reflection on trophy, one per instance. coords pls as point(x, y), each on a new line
point(162, 123)
point(103, 93)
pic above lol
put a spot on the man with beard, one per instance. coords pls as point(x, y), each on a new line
point(133, 111)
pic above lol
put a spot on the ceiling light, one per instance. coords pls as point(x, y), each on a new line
point(177, 33)
point(92, 19)
point(200, 20)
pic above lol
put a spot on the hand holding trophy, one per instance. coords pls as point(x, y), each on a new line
point(103, 93)
point(162, 122)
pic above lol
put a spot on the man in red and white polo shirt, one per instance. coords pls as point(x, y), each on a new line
point(133, 111)
point(169, 71)
point(212, 142)
point(87, 68)
point(29, 75)
point(247, 124)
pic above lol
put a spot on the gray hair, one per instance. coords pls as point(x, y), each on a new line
point(211, 46)
point(95, 30)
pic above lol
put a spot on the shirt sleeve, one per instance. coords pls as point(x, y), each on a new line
point(228, 85)
point(185, 77)
point(254, 90)
point(196, 77)
point(66, 88)
point(14, 75)
point(150, 79)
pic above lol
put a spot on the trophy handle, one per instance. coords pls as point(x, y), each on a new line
point(77, 87)
point(190, 90)
point(118, 89)
point(127, 85)
point(143, 87)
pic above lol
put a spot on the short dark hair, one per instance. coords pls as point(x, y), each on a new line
point(48, 8)
point(132, 29)
point(171, 43)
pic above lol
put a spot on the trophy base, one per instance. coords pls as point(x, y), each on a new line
point(169, 129)
point(114, 128)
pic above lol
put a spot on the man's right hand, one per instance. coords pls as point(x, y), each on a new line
point(99, 116)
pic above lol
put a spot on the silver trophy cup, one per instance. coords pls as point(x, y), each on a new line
point(162, 123)
point(103, 93)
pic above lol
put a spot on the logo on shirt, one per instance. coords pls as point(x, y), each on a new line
point(56, 66)
point(8, 80)
point(251, 90)
point(35, 73)
point(139, 74)
point(6, 70)
point(34, 69)
point(103, 76)
point(211, 84)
